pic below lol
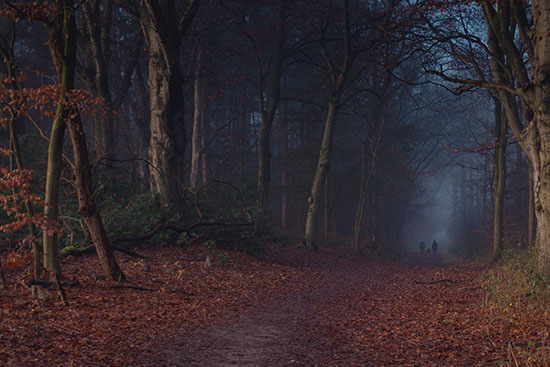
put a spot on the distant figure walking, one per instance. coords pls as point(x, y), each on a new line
point(434, 247)
point(422, 247)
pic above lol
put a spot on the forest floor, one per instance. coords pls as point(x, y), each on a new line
point(289, 308)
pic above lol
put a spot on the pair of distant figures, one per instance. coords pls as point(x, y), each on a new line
point(423, 247)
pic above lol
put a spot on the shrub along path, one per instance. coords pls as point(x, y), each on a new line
point(294, 309)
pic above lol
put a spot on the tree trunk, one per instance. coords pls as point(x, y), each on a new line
point(268, 112)
point(163, 32)
point(500, 179)
point(366, 176)
point(532, 225)
point(338, 77)
point(284, 168)
point(86, 202)
point(205, 157)
point(99, 28)
point(323, 166)
point(197, 123)
point(167, 145)
point(82, 171)
point(63, 56)
point(143, 129)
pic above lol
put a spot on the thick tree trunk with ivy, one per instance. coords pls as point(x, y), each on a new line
point(163, 33)
point(499, 180)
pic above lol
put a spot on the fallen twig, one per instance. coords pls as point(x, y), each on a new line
point(3, 276)
point(62, 294)
point(132, 287)
point(435, 281)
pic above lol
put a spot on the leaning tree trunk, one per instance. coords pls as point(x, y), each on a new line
point(500, 180)
point(323, 166)
point(82, 171)
point(338, 76)
point(86, 202)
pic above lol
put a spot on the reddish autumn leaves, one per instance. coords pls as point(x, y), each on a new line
point(339, 312)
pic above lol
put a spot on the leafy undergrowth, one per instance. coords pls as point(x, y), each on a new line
point(359, 312)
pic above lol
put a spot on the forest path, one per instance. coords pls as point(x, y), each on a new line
point(361, 314)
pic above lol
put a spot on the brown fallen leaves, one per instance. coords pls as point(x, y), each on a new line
point(366, 312)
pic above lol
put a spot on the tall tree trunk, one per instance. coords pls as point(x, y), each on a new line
point(268, 112)
point(98, 22)
point(143, 129)
point(163, 32)
point(326, 209)
point(167, 145)
point(205, 157)
point(86, 203)
point(197, 122)
point(500, 179)
point(284, 167)
point(63, 49)
point(366, 175)
point(338, 76)
point(532, 221)
point(323, 166)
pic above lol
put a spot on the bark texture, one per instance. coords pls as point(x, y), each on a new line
point(163, 32)
point(531, 82)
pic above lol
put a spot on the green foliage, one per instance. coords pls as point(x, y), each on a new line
point(515, 281)
point(212, 253)
point(135, 215)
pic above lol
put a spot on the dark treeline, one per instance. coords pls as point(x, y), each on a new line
point(317, 119)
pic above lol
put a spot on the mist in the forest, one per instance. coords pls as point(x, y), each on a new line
point(430, 220)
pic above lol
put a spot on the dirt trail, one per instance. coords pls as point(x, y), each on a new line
point(361, 314)
point(282, 333)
